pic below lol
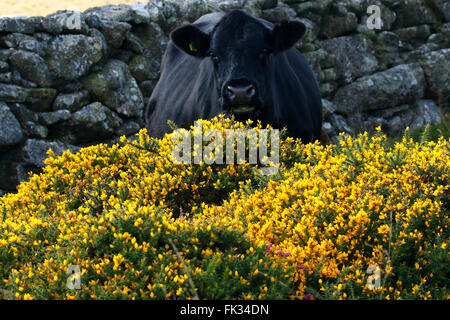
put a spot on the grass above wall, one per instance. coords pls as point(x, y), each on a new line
point(366, 218)
point(45, 7)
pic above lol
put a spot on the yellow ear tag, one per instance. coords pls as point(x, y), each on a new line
point(192, 48)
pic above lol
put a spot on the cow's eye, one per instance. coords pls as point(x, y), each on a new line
point(263, 56)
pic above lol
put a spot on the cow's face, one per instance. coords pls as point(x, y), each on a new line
point(239, 48)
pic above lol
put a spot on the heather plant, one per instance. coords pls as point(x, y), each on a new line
point(362, 219)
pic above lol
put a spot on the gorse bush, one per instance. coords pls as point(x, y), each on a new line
point(357, 220)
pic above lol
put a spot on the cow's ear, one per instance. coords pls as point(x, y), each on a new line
point(286, 34)
point(191, 40)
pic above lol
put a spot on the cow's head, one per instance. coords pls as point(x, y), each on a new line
point(239, 47)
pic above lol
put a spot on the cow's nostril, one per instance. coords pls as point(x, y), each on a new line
point(230, 91)
point(251, 92)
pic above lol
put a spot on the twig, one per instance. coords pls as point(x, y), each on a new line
point(181, 213)
point(191, 283)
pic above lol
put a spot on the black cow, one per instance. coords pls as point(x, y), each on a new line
point(235, 64)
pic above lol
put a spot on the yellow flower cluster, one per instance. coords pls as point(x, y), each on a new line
point(342, 209)
point(353, 220)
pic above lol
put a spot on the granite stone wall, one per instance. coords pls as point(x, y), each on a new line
point(74, 79)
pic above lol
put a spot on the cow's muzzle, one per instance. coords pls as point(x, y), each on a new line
point(241, 99)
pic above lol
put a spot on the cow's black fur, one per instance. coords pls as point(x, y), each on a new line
point(203, 58)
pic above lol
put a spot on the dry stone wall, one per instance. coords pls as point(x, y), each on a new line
point(74, 79)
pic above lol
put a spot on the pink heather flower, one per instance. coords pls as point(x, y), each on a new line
point(308, 296)
point(287, 253)
point(301, 267)
point(280, 252)
point(270, 246)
